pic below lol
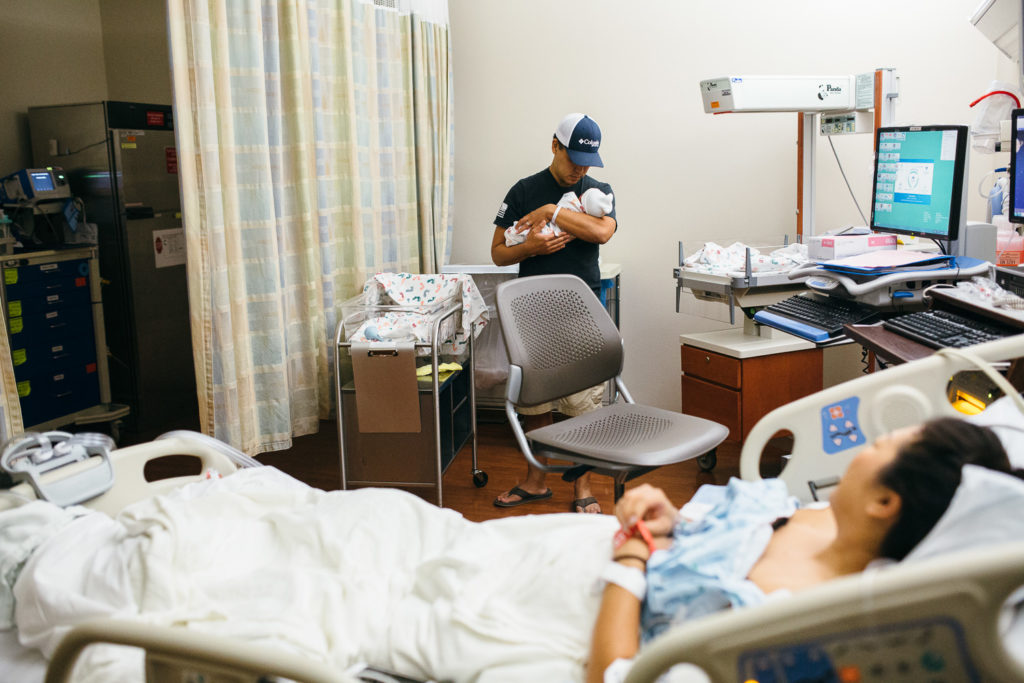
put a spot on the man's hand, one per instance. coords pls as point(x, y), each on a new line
point(537, 244)
point(539, 217)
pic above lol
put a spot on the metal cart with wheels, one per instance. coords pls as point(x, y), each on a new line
point(412, 460)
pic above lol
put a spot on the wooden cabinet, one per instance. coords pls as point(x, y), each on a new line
point(737, 392)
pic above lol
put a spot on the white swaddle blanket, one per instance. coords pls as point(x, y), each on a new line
point(593, 203)
point(718, 260)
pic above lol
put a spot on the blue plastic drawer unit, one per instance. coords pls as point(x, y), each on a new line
point(52, 338)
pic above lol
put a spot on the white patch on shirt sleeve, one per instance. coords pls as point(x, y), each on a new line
point(501, 210)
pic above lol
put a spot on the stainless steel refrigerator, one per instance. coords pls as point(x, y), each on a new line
point(120, 159)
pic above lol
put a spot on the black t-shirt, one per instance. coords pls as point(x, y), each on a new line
point(579, 256)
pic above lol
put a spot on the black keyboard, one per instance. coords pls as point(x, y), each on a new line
point(941, 329)
point(828, 314)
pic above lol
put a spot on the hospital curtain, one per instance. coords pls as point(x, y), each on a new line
point(309, 160)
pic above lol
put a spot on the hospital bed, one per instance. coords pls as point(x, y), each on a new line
point(948, 615)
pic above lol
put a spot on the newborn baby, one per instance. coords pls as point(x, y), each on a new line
point(594, 203)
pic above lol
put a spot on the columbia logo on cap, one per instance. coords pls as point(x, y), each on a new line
point(581, 137)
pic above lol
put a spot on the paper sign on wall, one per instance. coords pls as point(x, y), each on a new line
point(169, 247)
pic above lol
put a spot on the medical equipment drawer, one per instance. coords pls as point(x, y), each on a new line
point(713, 367)
point(737, 392)
point(57, 339)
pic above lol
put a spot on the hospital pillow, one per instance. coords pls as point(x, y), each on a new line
point(986, 509)
point(1006, 420)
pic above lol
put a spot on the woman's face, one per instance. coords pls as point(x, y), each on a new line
point(860, 480)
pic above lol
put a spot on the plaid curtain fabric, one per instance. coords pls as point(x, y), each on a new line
point(314, 145)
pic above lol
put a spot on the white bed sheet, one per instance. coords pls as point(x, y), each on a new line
point(19, 663)
point(372, 575)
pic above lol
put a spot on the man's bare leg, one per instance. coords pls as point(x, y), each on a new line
point(534, 480)
point(582, 492)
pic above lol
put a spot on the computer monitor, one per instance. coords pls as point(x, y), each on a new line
point(1017, 166)
point(920, 181)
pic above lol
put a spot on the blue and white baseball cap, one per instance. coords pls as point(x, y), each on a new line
point(580, 135)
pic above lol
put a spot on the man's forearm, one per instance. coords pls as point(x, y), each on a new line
point(506, 256)
point(586, 227)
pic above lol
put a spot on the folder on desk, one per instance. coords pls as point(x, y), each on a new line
point(885, 262)
point(387, 395)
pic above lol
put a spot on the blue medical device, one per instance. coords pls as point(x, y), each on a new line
point(30, 187)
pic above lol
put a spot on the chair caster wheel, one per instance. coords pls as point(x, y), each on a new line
point(479, 478)
point(707, 462)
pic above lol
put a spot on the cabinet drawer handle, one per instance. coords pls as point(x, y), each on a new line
point(707, 359)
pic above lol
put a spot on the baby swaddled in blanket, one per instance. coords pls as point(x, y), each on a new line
point(593, 202)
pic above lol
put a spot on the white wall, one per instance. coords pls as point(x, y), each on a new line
point(680, 174)
point(53, 54)
point(135, 50)
point(70, 51)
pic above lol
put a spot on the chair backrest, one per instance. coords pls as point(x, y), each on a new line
point(559, 334)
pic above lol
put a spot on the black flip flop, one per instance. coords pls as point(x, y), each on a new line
point(582, 504)
point(524, 497)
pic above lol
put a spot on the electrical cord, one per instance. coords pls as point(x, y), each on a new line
point(82, 149)
point(836, 154)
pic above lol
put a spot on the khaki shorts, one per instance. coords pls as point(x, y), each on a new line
point(573, 405)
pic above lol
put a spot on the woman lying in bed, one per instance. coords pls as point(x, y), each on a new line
point(380, 576)
point(749, 540)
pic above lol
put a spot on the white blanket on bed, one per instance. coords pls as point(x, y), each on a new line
point(372, 575)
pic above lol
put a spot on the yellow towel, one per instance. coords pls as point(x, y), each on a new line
point(444, 371)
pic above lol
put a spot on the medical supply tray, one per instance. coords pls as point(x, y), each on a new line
point(733, 288)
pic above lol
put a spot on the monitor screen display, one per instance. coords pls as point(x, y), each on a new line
point(919, 180)
point(42, 181)
point(1017, 166)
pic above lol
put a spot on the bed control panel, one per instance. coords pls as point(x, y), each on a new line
point(840, 428)
point(930, 651)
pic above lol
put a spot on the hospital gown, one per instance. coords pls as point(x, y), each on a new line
point(706, 567)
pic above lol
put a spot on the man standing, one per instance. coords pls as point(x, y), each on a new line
point(531, 204)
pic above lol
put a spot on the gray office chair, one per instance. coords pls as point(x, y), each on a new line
point(561, 340)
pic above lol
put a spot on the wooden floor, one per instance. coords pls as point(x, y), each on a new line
point(314, 460)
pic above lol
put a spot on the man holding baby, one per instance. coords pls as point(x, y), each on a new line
point(553, 222)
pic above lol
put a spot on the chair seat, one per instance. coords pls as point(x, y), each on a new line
point(632, 435)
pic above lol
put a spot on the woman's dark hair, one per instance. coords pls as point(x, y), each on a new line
point(926, 473)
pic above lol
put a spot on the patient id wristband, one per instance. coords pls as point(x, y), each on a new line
point(555, 215)
point(623, 535)
point(630, 579)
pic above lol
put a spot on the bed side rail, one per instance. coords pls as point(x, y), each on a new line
point(940, 616)
point(178, 654)
point(829, 427)
point(129, 464)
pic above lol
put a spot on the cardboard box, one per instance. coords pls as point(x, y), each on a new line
point(828, 247)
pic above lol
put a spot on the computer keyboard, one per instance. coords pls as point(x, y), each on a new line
point(941, 329)
point(814, 318)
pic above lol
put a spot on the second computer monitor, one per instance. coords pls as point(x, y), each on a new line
point(920, 181)
point(1017, 166)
